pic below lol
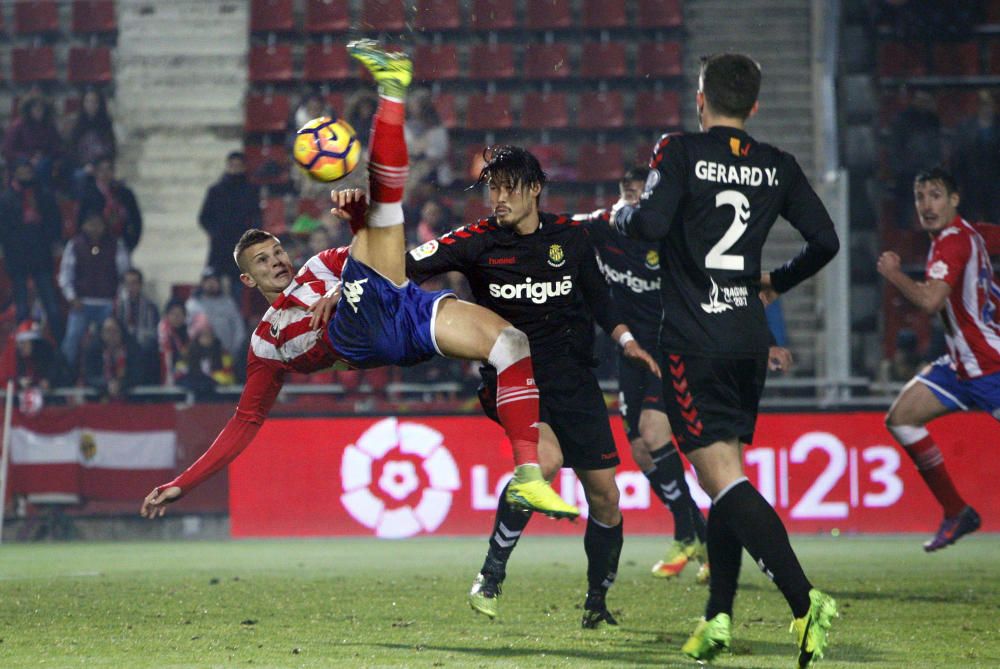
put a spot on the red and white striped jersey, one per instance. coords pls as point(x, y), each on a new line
point(959, 257)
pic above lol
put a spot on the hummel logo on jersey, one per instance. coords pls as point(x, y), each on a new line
point(353, 290)
point(274, 329)
point(507, 260)
point(537, 291)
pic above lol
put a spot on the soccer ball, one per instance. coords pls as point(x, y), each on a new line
point(326, 149)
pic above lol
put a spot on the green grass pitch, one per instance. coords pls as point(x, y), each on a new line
point(367, 603)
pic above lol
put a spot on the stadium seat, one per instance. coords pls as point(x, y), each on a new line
point(88, 65)
point(600, 162)
point(438, 15)
point(542, 111)
point(657, 109)
point(955, 106)
point(488, 112)
point(546, 61)
point(326, 62)
point(272, 214)
point(659, 14)
point(271, 16)
point(474, 208)
point(603, 60)
point(444, 105)
point(327, 16)
point(956, 58)
point(548, 15)
point(604, 15)
point(383, 15)
point(899, 59)
point(336, 101)
point(435, 62)
point(36, 17)
point(993, 11)
point(266, 113)
point(491, 61)
point(591, 202)
point(270, 64)
point(600, 110)
point(492, 15)
point(552, 156)
point(994, 57)
point(555, 204)
point(659, 59)
point(32, 64)
point(267, 164)
point(94, 16)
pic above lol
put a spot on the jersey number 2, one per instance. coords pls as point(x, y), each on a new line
point(717, 257)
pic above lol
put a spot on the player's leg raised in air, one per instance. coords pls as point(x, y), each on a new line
point(458, 329)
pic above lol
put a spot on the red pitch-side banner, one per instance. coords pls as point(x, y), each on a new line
point(411, 476)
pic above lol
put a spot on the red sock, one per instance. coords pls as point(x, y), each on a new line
point(387, 158)
point(930, 463)
point(517, 408)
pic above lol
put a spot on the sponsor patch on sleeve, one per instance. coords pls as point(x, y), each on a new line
point(425, 250)
point(938, 270)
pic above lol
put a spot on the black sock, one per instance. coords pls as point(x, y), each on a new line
point(666, 478)
point(760, 530)
point(507, 528)
point(725, 554)
point(603, 546)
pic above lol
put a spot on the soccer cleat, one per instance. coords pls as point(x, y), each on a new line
point(811, 629)
point(953, 529)
point(530, 492)
point(677, 557)
point(393, 71)
point(710, 638)
point(595, 612)
point(484, 596)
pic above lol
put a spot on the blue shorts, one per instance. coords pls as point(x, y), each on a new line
point(378, 323)
point(962, 394)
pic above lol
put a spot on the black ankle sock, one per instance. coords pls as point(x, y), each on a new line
point(666, 479)
point(725, 554)
point(761, 532)
point(507, 528)
point(603, 546)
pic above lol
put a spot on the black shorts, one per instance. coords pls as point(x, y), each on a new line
point(572, 404)
point(638, 390)
point(712, 399)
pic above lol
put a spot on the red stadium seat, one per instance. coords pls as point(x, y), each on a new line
point(272, 212)
point(542, 111)
point(556, 204)
point(326, 62)
point(994, 57)
point(601, 110)
point(435, 62)
point(657, 109)
point(438, 15)
point(271, 16)
point(386, 15)
point(957, 58)
point(604, 15)
point(955, 106)
point(492, 15)
point(94, 16)
point(548, 15)
point(546, 61)
point(89, 65)
point(488, 112)
point(266, 113)
point(603, 60)
point(335, 101)
point(600, 162)
point(327, 16)
point(659, 59)
point(491, 61)
point(552, 156)
point(899, 59)
point(32, 64)
point(270, 64)
point(659, 14)
point(444, 105)
point(267, 164)
point(36, 17)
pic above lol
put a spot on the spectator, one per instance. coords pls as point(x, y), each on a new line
point(977, 144)
point(435, 220)
point(33, 136)
point(312, 106)
point(30, 359)
point(915, 145)
point(30, 226)
point(172, 334)
point(92, 265)
point(209, 365)
point(231, 207)
point(359, 112)
point(220, 309)
point(140, 317)
point(111, 366)
point(427, 142)
point(115, 200)
point(92, 135)
point(905, 360)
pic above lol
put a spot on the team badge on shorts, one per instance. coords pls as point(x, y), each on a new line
point(556, 256)
point(652, 259)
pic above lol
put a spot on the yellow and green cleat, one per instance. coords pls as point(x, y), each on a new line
point(392, 70)
point(811, 629)
point(710, 638)
point(529, 491)
point(484, 597)
point(677, 557)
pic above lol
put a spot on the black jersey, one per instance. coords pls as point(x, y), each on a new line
point(632, 269)
point(710, 201)
point(547, 283)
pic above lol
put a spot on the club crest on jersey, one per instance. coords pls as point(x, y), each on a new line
point(653, 259)
point(425, 250)
point(556, 256)
point(939, 270)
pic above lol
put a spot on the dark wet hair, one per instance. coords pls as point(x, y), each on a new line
point(731, 83)
point(512, 165)
point(937, 174)
point(635, 174)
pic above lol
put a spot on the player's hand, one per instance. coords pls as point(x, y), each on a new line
point(351, 205)
point(889, 264)
point(323, 308)
point(638, 354)
point(779, 359)
point(155, 504)
point(768, 295)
